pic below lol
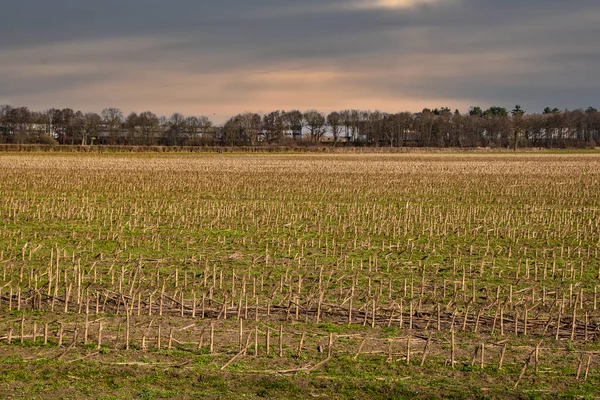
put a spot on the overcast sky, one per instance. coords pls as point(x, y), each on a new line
point(222, 57)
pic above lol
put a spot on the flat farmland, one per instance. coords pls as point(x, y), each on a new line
point(299, 276)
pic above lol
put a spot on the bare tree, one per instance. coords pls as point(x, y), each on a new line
point(233, 132)
point(273, 126)
point(131, 124)
point(113, 118)
point(294, 122)
point(149, 125)
point(206, 129)
point(19, 121)
point(193, 130)
point(250, 127)
point(517, 122)
point(334, 121)
point(176, 129)
point(93, 125)
point(315, 122)
point(77, 127)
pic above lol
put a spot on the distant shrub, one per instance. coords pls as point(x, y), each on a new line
point(43, 139)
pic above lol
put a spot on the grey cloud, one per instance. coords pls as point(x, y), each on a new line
point(529, 51)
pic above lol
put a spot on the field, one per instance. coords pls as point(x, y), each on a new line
point(299, 276)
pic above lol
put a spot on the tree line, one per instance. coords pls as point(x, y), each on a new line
point(439, 127)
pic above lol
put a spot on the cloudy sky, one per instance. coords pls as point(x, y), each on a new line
point(221, 57)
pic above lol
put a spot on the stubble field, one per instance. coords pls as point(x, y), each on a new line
point(299, 276)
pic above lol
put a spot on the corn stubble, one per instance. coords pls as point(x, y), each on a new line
point(452, 262)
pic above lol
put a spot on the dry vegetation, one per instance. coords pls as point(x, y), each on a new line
point(371, 276)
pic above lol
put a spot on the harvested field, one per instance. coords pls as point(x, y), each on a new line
point(304, 275)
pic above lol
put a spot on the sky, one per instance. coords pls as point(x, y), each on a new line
point(223, 57)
